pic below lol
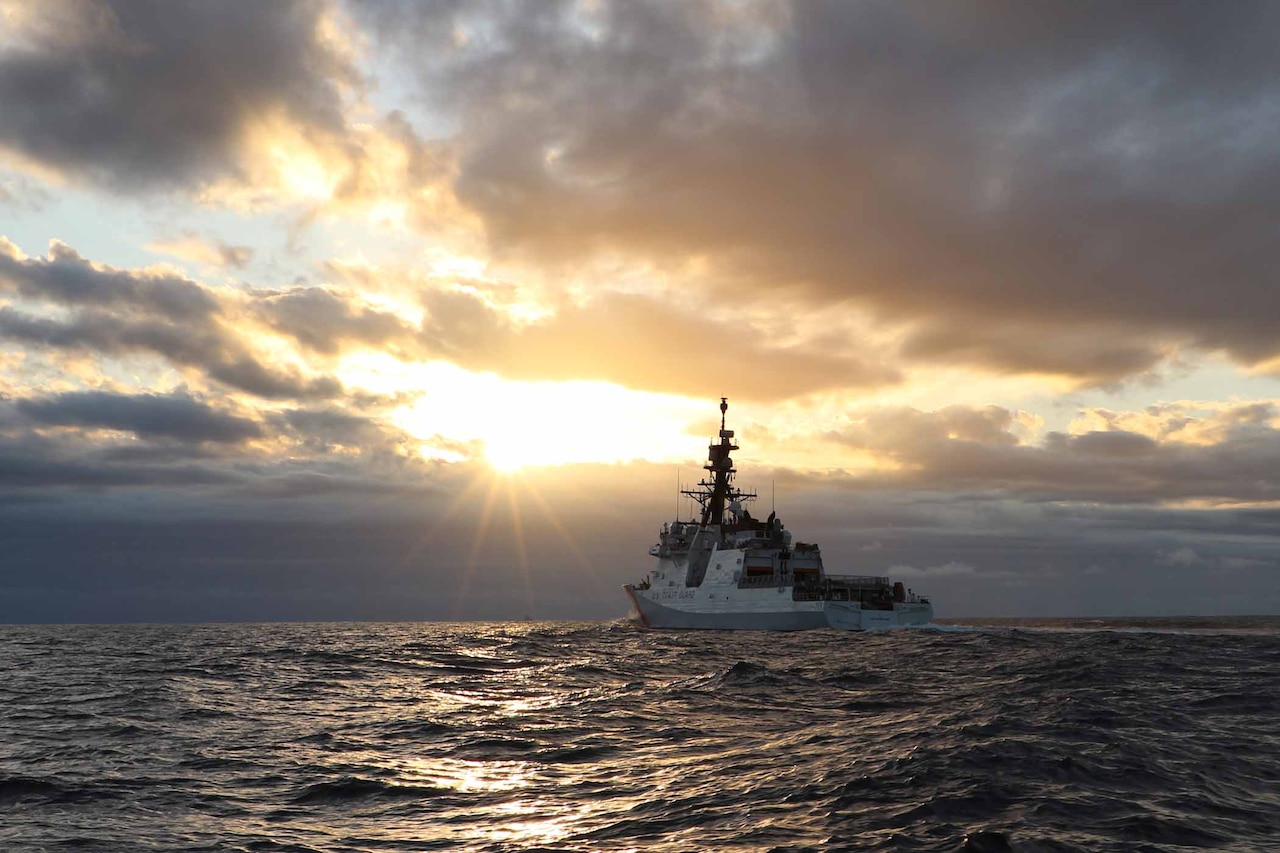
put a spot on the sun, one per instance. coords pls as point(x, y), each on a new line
point(523, 424)
point(506, 459)
point(565, 433)
point(545, 424)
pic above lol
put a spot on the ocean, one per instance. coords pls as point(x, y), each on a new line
point(1023, 735)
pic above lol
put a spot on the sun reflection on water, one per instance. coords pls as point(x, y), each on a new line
point(520, 819)
point(467, 776)
point(529, 821)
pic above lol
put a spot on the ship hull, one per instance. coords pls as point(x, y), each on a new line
point(654, 614)
point(786, 615)
point(846, 617)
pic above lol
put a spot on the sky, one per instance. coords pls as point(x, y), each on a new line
point(329, 310)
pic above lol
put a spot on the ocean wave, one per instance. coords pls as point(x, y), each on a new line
point(543, 736)
point(354, 788)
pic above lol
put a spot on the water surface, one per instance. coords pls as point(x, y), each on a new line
point(1138, 735)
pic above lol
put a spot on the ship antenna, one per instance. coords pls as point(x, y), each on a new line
point(724, 407)
point(773, 495)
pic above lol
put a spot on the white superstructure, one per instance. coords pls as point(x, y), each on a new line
point(731, 570)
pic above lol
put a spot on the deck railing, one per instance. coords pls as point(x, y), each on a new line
point(859, 580)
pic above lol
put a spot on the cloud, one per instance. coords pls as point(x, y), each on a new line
point(1202, 422)
point(1183, 556)
point(952, 569)
point(794, 204)
point(113, 312)
point(635, 340)
point(330, 425)
point(388, 536)
point(959, 449)
point(1187, 556)
point(243, 107)
point(190, 246)
point(159, 95)
point(42, 469)
point(1080, 196)
point(179, 443)
point(214, 353)
point(274, 344)
point(1089, 353)
point(644, 342)
point(20, 194)
point(178, 416)
point(66, 278)
point(326, 320)
point(1082, 199)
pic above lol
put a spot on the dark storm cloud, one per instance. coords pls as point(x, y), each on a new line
point(177, 416)
point(136, 94)
point(1020, 180)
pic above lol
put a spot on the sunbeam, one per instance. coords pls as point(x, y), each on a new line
point(522, 554)
point(477, 545)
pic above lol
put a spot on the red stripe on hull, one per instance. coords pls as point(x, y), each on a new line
point(639, 609)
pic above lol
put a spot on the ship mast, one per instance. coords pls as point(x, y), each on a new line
point(716, 492)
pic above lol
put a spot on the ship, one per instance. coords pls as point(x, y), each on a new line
point(729, 570)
